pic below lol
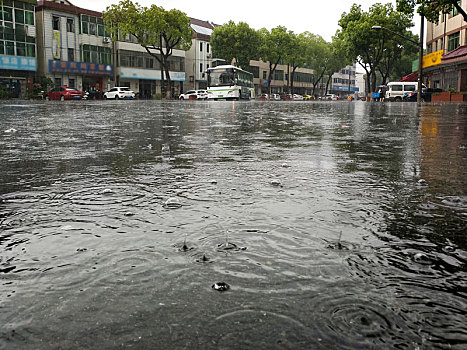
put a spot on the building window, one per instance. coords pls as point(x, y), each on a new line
point(70, 25)
point(264, 74)
point(21, 49)
point(71, 54)
point(55, 23)
point(19, 16)
point(72, 83)
point(9, 48)
point(207, 47)
point(201, 68)
point(58, 82)
point(453, 41)
point(200, 47)
point(428, 48)
point(29, 17)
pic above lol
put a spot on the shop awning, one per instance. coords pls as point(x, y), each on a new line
point(410, 77)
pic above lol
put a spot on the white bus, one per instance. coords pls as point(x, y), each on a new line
point(230, 83)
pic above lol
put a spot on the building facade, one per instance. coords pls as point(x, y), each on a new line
point(72, 46)
point(448, 37)
point(18, 61)
point(199, 58)
point(344, 82)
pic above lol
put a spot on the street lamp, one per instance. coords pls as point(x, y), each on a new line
point(420, 53)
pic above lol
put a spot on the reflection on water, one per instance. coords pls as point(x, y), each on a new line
point(334, 225)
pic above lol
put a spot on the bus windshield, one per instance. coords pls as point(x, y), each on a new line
point(221, 77)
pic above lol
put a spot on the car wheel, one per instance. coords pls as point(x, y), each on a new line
point(62, 98)
point(398, 99)
point(116, 97)
point(105, 97)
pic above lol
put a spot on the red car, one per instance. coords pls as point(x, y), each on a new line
point(63, 93)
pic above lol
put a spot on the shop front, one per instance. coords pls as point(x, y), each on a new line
point(16, 75)
point(81, 75)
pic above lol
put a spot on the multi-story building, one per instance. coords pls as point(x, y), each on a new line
point(448, 38)
point(18, 63)
point(73, 48)
point(141, 71)
point(343, 82)
point(281, 79)
point(199, 58)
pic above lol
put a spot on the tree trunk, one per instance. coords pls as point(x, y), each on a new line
point(294, 68)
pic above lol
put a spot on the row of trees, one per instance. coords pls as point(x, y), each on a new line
point(381, 54)
point(240, 43)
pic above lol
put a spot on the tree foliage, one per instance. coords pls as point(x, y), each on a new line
point(274, 48)
point(430, 9)
point(237, 42)
point(157, 30)
point(369, 46)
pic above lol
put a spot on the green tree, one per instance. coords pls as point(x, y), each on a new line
point(337, 59)
point(274, 48)
point(236, 42)
point(397, 62)
point(295, 56)
point(368, 46)
point(158, 31)
point(431, 9)
point(318, 54)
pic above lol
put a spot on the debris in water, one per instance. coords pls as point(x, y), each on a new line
point(221, 286)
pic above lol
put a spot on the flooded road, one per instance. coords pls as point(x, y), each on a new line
point(332, 225)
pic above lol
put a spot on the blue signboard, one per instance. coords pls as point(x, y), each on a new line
point(18, 63)
point(345, 88)
point(80, 68)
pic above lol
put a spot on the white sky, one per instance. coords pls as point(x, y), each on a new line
point(316, 16)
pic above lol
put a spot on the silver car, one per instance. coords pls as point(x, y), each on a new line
point(119, 93)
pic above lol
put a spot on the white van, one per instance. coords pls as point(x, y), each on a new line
point(397, 89)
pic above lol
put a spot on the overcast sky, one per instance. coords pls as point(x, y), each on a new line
point(316, 16)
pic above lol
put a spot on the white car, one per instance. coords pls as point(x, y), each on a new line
point(276, 97)
point(119, 93)
point(330, 97)
point(297, 97)
point(200, 95)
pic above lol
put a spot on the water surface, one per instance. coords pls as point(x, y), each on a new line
point(336, 225)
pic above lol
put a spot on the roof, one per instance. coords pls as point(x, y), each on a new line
point(66, 6)
point(461, 51)
point(202, 29)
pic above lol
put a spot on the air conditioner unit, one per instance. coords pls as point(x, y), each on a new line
point(209, 55)
point(106, 40)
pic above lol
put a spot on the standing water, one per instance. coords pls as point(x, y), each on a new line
point(220, 225)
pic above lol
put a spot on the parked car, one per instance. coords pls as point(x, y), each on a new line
point(200, 95)
point(117, 93)
point(426, 95)
point(297, 97)
point(263, 97)
point(329, 97)
point(63, 93)
point(276, 97)
point(308, 97)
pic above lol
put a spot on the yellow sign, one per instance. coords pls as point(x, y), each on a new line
point(432, 59)
point(56, 45)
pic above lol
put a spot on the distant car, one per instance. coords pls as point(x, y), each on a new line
point(426, 95)
point(330, 97)
point(63, 93)
point(276, 97)
point(200, 95)
point(117, 93)
point(308, 97)
point(297, 97)
point(263, 97)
